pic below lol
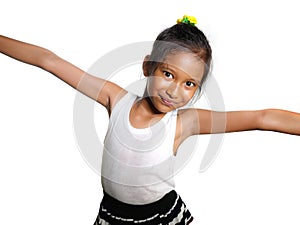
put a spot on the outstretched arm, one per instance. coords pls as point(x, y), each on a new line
point(96, 88)
point(209, 122)
point(281, 121)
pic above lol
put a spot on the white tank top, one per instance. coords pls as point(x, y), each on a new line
point(138, 164)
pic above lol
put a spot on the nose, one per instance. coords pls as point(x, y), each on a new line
point(172, 91)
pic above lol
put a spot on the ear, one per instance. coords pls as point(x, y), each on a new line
point(146, 66)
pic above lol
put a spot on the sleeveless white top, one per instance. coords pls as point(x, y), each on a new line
point(138, 164)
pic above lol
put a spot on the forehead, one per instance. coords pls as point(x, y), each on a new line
point(187, 63)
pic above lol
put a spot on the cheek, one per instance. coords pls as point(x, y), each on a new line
point(156, 83)
point(152, 85)
point(188, 94)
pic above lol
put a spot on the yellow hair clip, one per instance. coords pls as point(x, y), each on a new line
point(188, 20)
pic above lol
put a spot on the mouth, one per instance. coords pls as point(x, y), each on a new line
point(167, 102)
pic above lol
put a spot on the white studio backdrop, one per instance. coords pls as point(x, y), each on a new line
point(255, 49)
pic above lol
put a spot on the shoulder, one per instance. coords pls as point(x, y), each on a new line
point(184, 126)
point(194, 121)
point(190, 122)
point(121, 96)
point(190, 114)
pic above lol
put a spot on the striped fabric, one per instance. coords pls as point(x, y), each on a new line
point(170, 210)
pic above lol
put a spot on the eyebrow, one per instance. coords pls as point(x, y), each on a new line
point(167, 66)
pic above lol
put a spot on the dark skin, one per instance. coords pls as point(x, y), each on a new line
point(171, 86)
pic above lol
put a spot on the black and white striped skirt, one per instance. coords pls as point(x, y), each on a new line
point(168, 210)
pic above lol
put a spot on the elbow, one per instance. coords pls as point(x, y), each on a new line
point(264, 119)
point(47, 59)
point(260, 119)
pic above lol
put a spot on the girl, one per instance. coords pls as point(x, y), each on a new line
point(145, 132)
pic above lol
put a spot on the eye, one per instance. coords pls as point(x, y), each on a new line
point(168, 75)
point(190, 84)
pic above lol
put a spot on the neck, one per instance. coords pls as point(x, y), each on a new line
point(146, 107)
point(143, 114)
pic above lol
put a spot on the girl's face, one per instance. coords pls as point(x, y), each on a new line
point(175, 81)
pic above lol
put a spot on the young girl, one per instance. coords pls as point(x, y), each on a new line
point(145, 132)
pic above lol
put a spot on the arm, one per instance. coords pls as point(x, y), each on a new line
point(96, 88)
point(280, 121)
point(209, 122)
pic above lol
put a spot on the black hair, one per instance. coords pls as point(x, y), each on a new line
point(180, 37)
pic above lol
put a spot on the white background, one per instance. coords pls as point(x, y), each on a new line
point(44, 178)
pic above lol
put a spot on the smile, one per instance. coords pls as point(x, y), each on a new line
point(167, 102)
